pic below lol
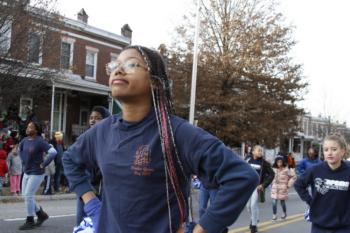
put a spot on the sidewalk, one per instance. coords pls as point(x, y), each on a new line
point(7, 197)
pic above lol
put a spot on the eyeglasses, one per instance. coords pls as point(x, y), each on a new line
point(128, 67)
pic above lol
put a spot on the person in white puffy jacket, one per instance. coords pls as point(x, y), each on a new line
point(283, 180)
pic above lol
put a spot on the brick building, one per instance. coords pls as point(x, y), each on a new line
point(312, 132)
point(79, 81)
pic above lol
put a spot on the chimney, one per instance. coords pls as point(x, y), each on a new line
point(126, 31)
point(82, 16)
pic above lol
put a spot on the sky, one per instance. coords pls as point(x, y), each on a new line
point(321, 30)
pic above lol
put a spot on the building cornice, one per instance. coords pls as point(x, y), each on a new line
point(83, 27)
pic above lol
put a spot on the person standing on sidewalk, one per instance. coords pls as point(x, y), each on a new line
point(284, 179)
point(58, 144)
point(31, 150)
point(329, 201)
point(3, 167)
point(147, 156)
point(266, 174)
point(291, 160)
point(48, 177)
point(15, 170)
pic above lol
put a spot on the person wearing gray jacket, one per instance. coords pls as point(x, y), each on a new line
point(14, 164)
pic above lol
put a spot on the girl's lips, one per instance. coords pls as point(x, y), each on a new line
point(117, 81)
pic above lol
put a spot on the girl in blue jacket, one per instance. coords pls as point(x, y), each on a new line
point(31, 151)
point(146, 157)
point(330, 198)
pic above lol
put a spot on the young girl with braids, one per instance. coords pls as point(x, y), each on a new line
point(147, 155)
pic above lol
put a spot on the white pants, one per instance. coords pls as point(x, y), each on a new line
point(253, 208)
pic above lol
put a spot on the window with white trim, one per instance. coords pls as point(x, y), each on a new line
point(114, 56)
point(67, 48)
point(25, 107)
point(58, 112)
point(65, 55)
point(84, 117)
point(5, 37)
point(91, 63)
point(34, 47)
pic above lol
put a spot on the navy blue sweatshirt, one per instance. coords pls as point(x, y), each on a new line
point(330, 200)
point(130, 158)
point(31, 151)
point(266, 174)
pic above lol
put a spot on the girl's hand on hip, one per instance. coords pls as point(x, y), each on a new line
point(191, 228)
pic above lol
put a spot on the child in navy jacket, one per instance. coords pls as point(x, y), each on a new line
point(330, 199)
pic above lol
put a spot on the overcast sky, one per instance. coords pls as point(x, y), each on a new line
point(322, 32)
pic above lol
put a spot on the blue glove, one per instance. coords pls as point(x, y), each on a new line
point(196, 184)
point(86, 226)
point(93, 210)
point(307, 215)
point(189, 227)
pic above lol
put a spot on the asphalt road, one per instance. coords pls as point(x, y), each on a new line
point(62, 217)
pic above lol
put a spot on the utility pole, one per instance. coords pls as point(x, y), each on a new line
point(194, 67)
point(193, 88)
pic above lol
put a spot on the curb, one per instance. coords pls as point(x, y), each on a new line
point(11, 199)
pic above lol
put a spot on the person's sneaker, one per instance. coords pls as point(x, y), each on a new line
point(253, 229)
point(284, 216)
point(42, 217)
point(28, 225)
point(274, 217)
point(225, 230)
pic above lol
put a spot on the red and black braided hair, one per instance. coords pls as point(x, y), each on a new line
point(163, 107)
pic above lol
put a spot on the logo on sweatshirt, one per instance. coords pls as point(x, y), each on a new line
point(324, 185)
point(142, 161)
point(255, 166)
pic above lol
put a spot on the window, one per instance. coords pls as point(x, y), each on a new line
point(84, 117)
point(5, 37)
point(114, 56)
point(67, 48)
point(25, 107)
point(91, 62)
point(65, 55)
point(34, 48)
point(59, 111)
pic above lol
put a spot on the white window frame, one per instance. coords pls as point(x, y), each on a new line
point(95, 52)
point(22, 109)
point(7, 40)
point(62, 111)
point(82, 110)
point(40, 47)
point(114, 56)
point(2, 107)
point(70, 41)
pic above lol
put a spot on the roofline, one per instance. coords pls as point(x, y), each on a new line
point(76, 24)
point(84, 27)
point(99, 89)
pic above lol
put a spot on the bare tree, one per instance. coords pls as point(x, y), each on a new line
point(248, 85)
point(29, 44)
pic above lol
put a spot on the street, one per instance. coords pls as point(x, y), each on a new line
point(62, 217)
point(294, 223)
